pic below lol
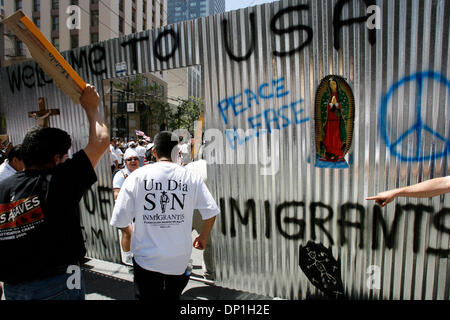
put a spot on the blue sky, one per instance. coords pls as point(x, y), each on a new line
point(238, 4)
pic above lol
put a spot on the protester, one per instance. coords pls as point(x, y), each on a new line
point(184, 156)
point(114, 162)
point(199, 168)
point(426, 189)
point(12, 164)
point(161, 198)
point(114, 147)
point(131, 163)
point(40, 206)
point(140, 149)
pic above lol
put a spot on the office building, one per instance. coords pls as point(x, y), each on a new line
point(96, 20)
point(181, 10)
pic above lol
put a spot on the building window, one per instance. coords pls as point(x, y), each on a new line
point(55, 23)
point(55, 42)
point(94, 19)
point(121, 25)
point(19, 47)
point(18, 4)
point(37, 5)
point(94, 1)
point(55, 4)
point(74, 41)
point(121, 5)
point(37, 22)
point(94, 37)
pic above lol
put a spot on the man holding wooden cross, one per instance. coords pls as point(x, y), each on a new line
point(40, 234)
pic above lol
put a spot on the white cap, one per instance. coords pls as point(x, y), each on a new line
point(130, 153)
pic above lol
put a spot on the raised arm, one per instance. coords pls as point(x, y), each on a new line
point(426, 189)
point(98, 132)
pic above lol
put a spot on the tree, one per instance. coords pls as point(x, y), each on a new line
point(185, 115)
point(155, 112)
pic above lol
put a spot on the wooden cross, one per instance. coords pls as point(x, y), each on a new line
point(42, 116)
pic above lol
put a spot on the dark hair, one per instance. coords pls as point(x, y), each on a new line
point(165, 141)
point(141, 142)
point(40, 145)
point(15, 152)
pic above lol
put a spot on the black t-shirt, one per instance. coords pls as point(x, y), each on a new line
point(40, 231)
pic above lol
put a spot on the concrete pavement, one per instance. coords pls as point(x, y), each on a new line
point(111, 281)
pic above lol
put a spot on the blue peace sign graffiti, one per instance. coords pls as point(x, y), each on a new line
point(419, 126)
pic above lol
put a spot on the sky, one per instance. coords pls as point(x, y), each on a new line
point(238, 4)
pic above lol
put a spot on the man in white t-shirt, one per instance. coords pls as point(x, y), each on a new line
point(184, 149)
point(140, 149)
point(116, 150)
point(161, 197)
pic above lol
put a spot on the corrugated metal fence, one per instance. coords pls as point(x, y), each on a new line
point(261, 67)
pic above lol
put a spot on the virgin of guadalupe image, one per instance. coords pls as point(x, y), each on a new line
point(334, 122)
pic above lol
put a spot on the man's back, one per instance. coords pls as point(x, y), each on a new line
point(39, 219)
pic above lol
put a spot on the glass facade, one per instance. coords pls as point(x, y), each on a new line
point(181, 10)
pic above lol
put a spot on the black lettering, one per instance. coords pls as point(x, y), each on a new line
point(268, 218)
point(104, 198)
point(14, 80)
point(290, 29)
point(338, 23)
point(98, 235)
point(250, 211)
point(97, 56)
point(418, 210)
point(299, 222)
point(343, 222)
point(150, 201)
point(379, 220)
point(158, 44)
point(87, 203)
point(439, 224)
point(28, 77)
point(252, 43)
point(222, 216)
point(320, 222)
point(41, 76)
point(181, 203)
point(133, 49)
point(78, 62)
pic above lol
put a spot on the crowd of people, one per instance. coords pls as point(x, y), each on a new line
point(40, 232)
point(160, 197)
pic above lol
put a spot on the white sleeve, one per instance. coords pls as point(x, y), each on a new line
point(205, 202)
point(123, 212)
point(118, 180)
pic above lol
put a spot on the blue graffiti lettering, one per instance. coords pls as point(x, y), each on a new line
point(272, 118)
point(244, 101)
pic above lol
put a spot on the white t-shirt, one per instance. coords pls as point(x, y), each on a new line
point(6, 170)
point(185, 150)
point(118, 152)
point(113, 157)
point(162, 198)
point(119, 178)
